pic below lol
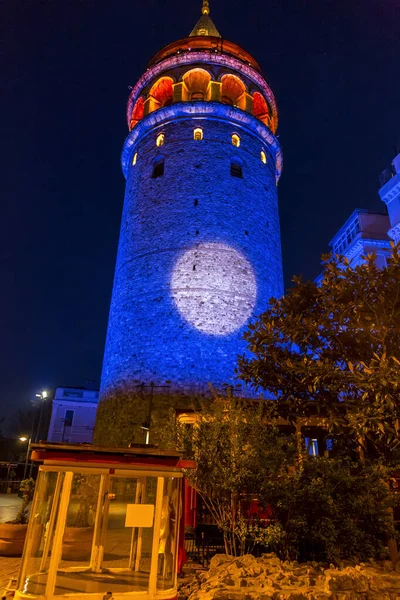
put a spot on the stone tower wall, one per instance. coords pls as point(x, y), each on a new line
point(177, 231)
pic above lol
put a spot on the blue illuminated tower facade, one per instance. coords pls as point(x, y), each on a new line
point(199, 252)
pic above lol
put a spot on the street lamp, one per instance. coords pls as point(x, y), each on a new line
point(23, 438)
point(43, 395)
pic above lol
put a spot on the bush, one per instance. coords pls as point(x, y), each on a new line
point(26, 491)
point(332, 510)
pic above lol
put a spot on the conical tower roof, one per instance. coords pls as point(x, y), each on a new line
point(205, 25)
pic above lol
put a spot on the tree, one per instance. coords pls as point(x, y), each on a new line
point(334, 349)
point(313, 509)
point(235, 453)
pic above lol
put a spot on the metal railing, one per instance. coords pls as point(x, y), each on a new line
point(10, 487)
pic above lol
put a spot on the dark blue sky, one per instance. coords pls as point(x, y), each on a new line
point(66, 67)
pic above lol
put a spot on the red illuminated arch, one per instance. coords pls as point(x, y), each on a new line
point(260, 106)
point(162, 91)
point(232, 89)
point(261, 109)
point(137, 112)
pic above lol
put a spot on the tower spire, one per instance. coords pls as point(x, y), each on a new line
point(205, 10)
point(204, 25)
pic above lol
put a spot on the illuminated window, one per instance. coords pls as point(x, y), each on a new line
point(263, 157)
point(160, 139)
point(158, 168)
point(311, 446)
point(236, 140)
point(198, 133)
point(134, 159)
point(236, 169)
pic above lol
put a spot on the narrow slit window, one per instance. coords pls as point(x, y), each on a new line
point(160, 139)
point(196, 202)
point(236, 169)
point(134, 159)
point(198, 133)
point(69, 417)
point(158, 169)
point(235, 140)
point(263, 157)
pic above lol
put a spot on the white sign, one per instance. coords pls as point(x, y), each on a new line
point(139, 515)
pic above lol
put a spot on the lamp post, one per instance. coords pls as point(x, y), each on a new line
point(43, 395)
point(25, 439)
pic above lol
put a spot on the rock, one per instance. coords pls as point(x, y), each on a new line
point(219, 559)
point(271, 559)
point(296, 596)
point(361, 583)
point(379, 596)
point(339, 581)
point(385, 583)
point(266, 578)
point(228, 595)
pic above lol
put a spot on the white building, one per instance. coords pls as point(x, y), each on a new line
point(363, 233)
point(390, 195)
point(73, 415)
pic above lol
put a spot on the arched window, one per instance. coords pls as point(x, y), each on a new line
point(236, 168)
point(236, 140)
point(232, 89)
point(161, 94)
point(198, 133)
point(160, 139)
point(137, 112)
point(196, 82)
point(134, 159)
point(158, 168)
point(263, 157)
point(260, 108)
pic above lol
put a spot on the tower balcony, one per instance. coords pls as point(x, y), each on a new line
point(203, 76)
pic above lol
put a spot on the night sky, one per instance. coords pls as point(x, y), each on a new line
point(66, 66)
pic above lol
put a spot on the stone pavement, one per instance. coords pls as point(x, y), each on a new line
point(9, 569)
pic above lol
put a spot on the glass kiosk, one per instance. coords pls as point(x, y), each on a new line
point(104, 522)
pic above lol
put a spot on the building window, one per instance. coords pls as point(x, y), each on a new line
point(134, 159)
point(198, 133)
point(311, 446)
point(68, 418)
point(347, 236)
point(263, 157)
point(196, 202)
point(158, 169)
point(235, 140)
point(160, 139)
point(236, 169)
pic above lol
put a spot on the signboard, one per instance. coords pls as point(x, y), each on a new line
point(139, 515)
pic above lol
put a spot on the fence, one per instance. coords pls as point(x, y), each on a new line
point(203, 542)
point(10, 487)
